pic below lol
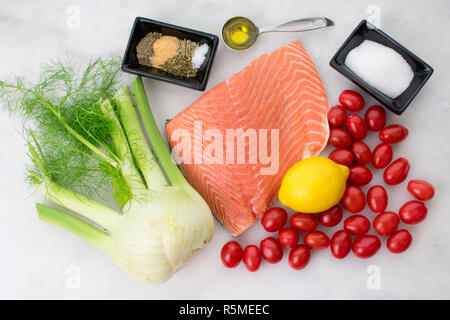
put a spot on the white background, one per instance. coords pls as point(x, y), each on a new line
point(37, 258)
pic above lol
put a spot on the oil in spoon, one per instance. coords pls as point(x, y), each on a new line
point(239, 33)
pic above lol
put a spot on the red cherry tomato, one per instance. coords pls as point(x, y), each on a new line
point(399, 241)
point(303, 222)
point(357, 225)
point(288, 237)
point(385, 223)
point(342, 156)
point(339, 138)
point(377, 198)
point(274, 219)
point(354, 199)
point(331, 217)
point(366, 246)
point(336, 116)
point(231, 254)
point(361, 152)
point(271, 250)
point(299, 257)
point(413, 212)
point(421, 189)
point(396, 172)
point(359, 175)
point(252, 258)
point(351, 100)
point(356, 126)
point(375, 118)
point(393, 133)
point(341, 244)
point(382, 155)
point(317, 240)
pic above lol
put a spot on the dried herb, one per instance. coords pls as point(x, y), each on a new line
point(181, 64)
point(145, 48)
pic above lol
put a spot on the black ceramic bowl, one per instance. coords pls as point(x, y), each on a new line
point(366, 31)
point(142, 26)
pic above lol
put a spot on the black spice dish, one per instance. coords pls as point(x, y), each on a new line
point(366, 31)
point(142, 26)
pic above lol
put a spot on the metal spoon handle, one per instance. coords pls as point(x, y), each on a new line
point(300, 25)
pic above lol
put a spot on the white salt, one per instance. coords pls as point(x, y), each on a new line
point(199, 55)
point(381, 67)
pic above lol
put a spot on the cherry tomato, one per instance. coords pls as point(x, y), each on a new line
point(421, 189)
point(341, 244)
point(413, 212)
point(299, 257)
point(385, 223)
point(356, 126)
point(377, 198)
point(342, 156)
point(231, 254)
point(399, 241)
point(304, 222)
point(271, 250)
point(331, 217)
point(317, 240)
point(351, 100)
point(366, 246)
point(382, 155)
point(361, 152)
point(357, 225)
point(354, 199)
point(375, 118)
point(252, 258)
point(359, 175)
point(393, 133)
point(288, 237)
point(339, 138)
point(274, 219)
point(396, 172)
point(336, 116)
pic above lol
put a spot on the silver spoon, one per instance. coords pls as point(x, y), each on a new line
point(240, 33)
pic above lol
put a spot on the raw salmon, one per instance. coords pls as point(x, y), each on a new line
point(280, 92)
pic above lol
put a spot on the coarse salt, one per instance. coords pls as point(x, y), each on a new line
point(199, 55)
point(381, 67)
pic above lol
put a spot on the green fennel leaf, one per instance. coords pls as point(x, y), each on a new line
point(67, 96)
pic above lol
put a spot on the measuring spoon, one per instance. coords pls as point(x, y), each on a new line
point(240, 33)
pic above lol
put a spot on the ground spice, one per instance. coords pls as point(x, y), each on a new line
point(164, 48)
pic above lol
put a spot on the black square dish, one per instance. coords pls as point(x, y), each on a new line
point(366, 31)
point(143, 26)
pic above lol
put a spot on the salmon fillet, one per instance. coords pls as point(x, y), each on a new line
point(280, 92)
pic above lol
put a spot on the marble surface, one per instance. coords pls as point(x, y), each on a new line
point(42, 261)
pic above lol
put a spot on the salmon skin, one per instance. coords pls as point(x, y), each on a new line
point(279, 95)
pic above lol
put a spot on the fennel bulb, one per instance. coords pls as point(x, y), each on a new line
point(89, 137)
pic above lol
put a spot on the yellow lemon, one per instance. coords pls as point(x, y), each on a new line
point(313, 185)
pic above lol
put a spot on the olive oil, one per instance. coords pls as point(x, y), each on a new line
point(239, 33)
